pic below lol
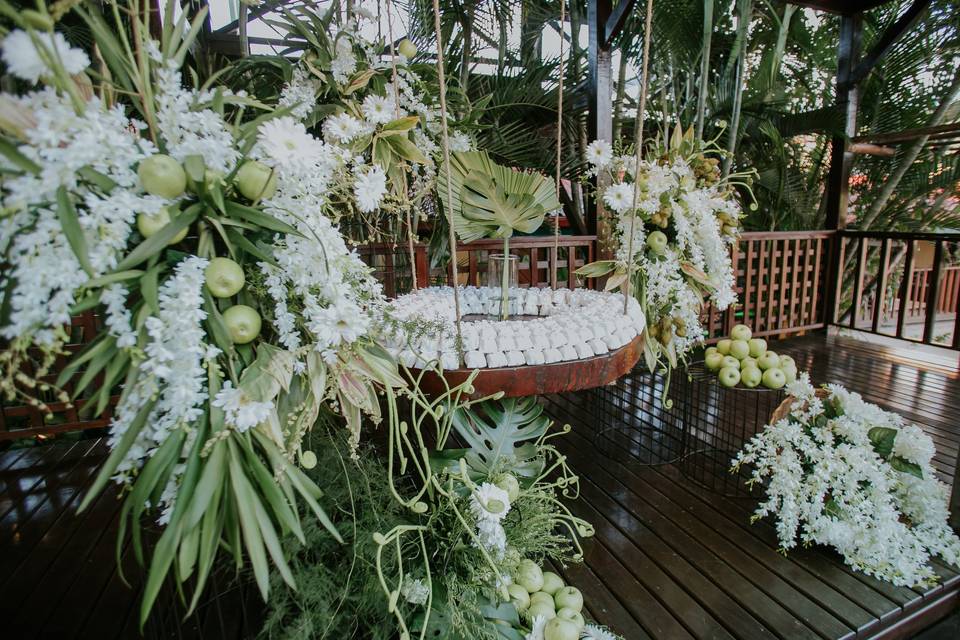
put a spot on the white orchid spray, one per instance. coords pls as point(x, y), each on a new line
point(683, 218)
point(842, 472)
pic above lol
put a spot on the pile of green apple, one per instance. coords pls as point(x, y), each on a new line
point(536, 592)
point(743, 359)
point(163, 176)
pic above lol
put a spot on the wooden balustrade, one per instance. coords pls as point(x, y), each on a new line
point(901, 285)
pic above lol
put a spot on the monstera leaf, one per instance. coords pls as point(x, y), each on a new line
point(493, 201)
point(503, 434)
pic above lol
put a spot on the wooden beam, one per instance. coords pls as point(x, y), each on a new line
point(907, 135)
point(618, 17)
point(838, 180)
point(863, 148)
point(599, 83)
point(893, 33)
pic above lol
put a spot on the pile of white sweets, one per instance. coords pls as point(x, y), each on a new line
point(571, 325)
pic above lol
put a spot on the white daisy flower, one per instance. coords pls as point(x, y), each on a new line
point(342, 128)
point(619, 197)
point(379, 110)
point(460, 141)
point(25, 61)
point(369, 187)
point(285, 140)
point(599, 153)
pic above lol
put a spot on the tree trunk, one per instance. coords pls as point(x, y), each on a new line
point(467, 27)
point(621, 91)
point(743, 26)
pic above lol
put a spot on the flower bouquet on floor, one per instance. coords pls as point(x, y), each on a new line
point(683, 217)
point(843, 472)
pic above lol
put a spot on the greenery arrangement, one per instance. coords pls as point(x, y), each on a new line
point(203, 223)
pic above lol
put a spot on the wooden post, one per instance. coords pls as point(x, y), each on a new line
point(838, 181)
point(599, 87)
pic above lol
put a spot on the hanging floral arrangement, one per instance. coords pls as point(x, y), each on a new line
point(674, 218)
point(842, 472)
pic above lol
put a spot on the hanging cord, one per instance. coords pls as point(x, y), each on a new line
point(638, 143)
point(556, 218)
point(446, 163)
point(396, 104)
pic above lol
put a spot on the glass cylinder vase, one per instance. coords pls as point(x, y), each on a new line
point(503, 273)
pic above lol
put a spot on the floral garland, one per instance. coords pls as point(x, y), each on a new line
point(684, 218)
point(842, 472)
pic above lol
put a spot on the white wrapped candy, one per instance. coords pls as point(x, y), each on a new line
point(568, 352)
point(584, 350)
point(496, 359)
point(515, 359)
point(474, 360)
point(449, 360)
point(523, 341)
point(598, 346)
point(541, 341)
point(506, 343)
point(557, 338)
point(533, 356)
point(551, 355)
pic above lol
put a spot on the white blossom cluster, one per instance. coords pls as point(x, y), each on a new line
point(489, 505)
point(698, 255)
point(570, 325)
point(172, 376)
point(42, 265)
point(827, 484)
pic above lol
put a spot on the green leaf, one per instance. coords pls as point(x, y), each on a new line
point(150, 288)
point(17, 159)
point(211, 479)
point(102, 182)
point(258, 252)
point(597, 269)
point(503, 434)
point(158, 241)
point(111, 278)
point(882, 439)
point(70, 223)
point(490, 200)
point(404, 148)
point(400, 125)
point(258, 217)
point(905, 466)
point(382, 155)
point(195, 168)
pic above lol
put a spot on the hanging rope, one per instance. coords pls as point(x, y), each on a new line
point(556, 218)
point(638, 143)
point(441, 79)
point(396, 105)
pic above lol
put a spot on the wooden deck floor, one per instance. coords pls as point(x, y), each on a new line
point(670, 559)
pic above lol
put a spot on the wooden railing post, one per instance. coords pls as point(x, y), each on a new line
point(933, 294)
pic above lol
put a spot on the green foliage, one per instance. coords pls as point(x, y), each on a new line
point(493, 201)
point(504, 436)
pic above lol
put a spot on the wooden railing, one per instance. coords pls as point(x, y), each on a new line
point(780, 284)
point(900, 285)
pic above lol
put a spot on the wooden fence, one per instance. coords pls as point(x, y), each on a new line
point(900, 285)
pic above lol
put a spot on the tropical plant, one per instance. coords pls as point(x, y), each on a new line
point(488, 200)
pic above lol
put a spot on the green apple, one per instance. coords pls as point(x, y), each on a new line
point(569, 598)
point(161, 175)
point(657, 242)
point(573, 616)
point(508, 482)
point(751, 377)
point(541, 609)
point(730, 361)
point(714, 361)
point(723, 346)
point(769, 360)
point(308, 459)
point(739, 349)
point(242, 322)
point(552, 583)
point(529, 576)
point(748, 362)
point(560, 629)
point(758, 347)
point(256, 181)
point(729, 376)
point(149, 224)
point(543, 596)
point(741, 332)
point(789, 372)
point(711, 350)
point(774, 379)
point(785, 360)
point(407, 49)
point(518, 596)
point(224, 277)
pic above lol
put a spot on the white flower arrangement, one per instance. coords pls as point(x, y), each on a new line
point(570, 325)
point(842, 472)
point(683, 218)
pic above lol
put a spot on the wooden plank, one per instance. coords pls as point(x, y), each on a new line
point(930, 319)
point(857, 298)
point(749, 288)
point(881, 283)
point(905, 288)
point(762, 287)
point(815, 292)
